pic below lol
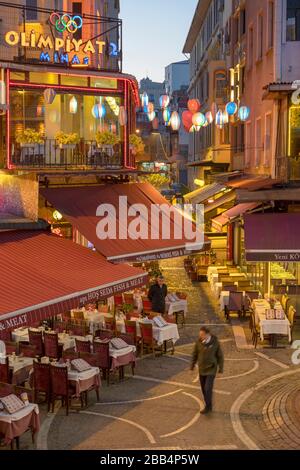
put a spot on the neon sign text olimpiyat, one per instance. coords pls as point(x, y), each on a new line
point(63, 50)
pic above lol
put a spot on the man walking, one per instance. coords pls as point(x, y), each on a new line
point(157, 295)
point(208, 353)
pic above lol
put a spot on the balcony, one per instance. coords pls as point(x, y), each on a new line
point(50, 155)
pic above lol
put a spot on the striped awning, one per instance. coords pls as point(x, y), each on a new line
point(200, 195)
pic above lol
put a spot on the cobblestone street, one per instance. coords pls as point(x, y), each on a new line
point(256, 399)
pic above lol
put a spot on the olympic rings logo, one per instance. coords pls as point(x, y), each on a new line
point(66, 22)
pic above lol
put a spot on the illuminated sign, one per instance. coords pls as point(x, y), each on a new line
point(62, 50)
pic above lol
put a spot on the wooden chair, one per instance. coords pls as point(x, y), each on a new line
point(60, 387)
point(60, 326)
point(284, 300)
point(5, 335)
point(70, 355)
point(103, 334)
point(27, 350)
point(41, 381)
point(254, 329)
point(294, 290)
point(147, 340)
point(103, 309)
point(229, 288)
point(110, 324)
point(130, 328)
point(78, 315)
point(36, 339)
point(127, 337)
point(249, 297)
point(102, 350)
point(78, 329)
point(118, 301)
point(93, 360)
point(83, 346)
point(291, 317)
point(11, 347)
point(5, 373)
point(147, 305)
point(52, 348)
point(128, 299)
point(235, 304)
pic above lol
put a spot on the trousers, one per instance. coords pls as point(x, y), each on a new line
point(207, 384)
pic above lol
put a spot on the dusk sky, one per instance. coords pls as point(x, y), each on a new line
point(154, 32)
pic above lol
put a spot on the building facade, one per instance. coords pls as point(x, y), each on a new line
point(177, 75)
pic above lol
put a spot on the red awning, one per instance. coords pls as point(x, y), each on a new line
point(252, 184)
point(221, 220)
point(272, 237)
point(43, 275)
point(79, 206)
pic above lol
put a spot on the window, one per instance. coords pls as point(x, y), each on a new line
point(248, 144)
point(258, 142)
point(293, 20)
point(31, 13)
point(260, 36)
point(294, 141)
point(270, 24)
point(242, 23)
point(250, 46)
point(77, 10)
point(221, 85)
point(268, 140)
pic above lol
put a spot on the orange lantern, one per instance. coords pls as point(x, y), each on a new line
point(194, 106)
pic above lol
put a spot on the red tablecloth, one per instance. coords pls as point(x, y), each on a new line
point(123, 360)
point(11, 426)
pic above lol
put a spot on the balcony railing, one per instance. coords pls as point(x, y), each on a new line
point(50, 154)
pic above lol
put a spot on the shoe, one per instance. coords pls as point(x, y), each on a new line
point(205, 411)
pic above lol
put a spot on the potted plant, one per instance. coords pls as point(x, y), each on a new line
point(67, 141)
point(30, 138)
point(106, 141)
point(136, 145)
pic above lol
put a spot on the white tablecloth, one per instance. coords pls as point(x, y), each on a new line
point(269, 327)
point(113, 352)
point(214, 270)
point(85, 375)
point(176, 306)
point(169, 332)
point(9, 418)
point(17, 363)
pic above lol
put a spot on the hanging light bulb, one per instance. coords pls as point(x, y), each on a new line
point(231, 108)
point(194, 129)
point(244, 113)
point(198, 119)
point(209, 117)
point(49, 95)
point(73, 105)
point(98, 111)
point(166, 115)
point(164, 101)
point(175, 121)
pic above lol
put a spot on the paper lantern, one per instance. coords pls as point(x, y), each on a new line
point(225, 117)
point(231, 108)
point(187, 120)
point(164, 101)
point(244, 113)
point(206, 123)
point(122, 116)
point(198, 119)
point(209, 117)
point(155, 123)
point(73, 105)
point(49, 95)
point(194, 106)
point(194, 129)
point(150, 108)
point(145, 99)
point(167, 115)
point(151, 116)
point(219, 119)
point(98, 111)
point(175, 121)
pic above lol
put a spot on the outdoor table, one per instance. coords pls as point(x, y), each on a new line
point(217, 289)
point(83, 381)
point(15, 424)
point(270, 327)
point(122, 357)
point(214, 270)
point(224, 299)
point(21, 334)
point(178, 305)
point(20, 367)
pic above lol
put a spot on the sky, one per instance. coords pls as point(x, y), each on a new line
point(154, 33)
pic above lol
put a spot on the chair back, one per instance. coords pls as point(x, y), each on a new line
point(147, 305)
point(91, 358)
point(82, 346)
point(146, 332)
point(128, 299)
point(78, 315)
point(4, 371)
point(229, 288)
point(110, 324)
point(60, 326)
point(280, 290)
point(70, 355)
point(27, 350)
point(249, 297)
point(291, 282)
point(102, 351)
point(67, 316)
point(77, 329)
point(130, 328)
point(104, 334)
point(5, 335)
point(118, 300)
point(128, 338)
point(41, 377)
point(235, 301)
point(51, 345)
point(103, 309)
point(291, 315)
point(11, 347)
point(294, 290)
point(284, 300)
point(6, 389)
point(59, 380)
point(36, 339)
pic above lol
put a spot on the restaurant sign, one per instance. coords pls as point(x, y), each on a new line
point(273, 256)
point(65, 49)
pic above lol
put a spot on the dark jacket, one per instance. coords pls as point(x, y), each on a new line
point(209, 357)
point(157, 296)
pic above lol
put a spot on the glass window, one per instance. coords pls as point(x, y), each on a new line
point(99, 82)
point(31, 10)
point(258, 142)
point(74, 80)
point(268, 140)
point(248, 145)
point(47, 78)
point(270, 24)
point(221, 85)
point(294, 146)
point(250, 47)
point(260, 36)
point(17, 76)
point(293, 20)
